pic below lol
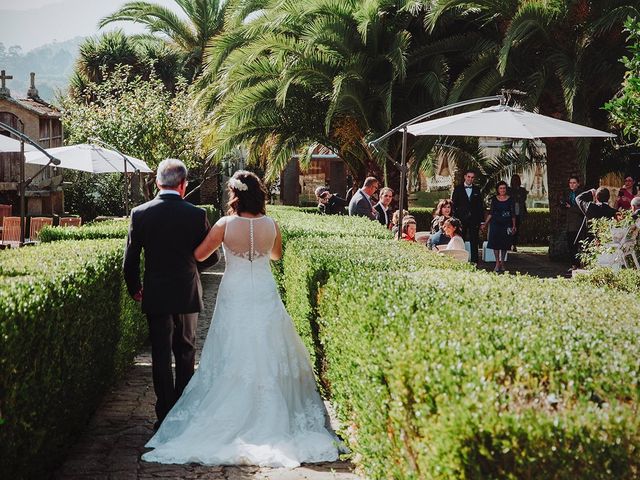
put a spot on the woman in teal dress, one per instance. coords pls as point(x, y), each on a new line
point(502, 224)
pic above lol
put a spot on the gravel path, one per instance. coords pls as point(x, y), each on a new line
point(113, 442)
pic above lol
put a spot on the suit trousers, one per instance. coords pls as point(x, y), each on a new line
point(471, 233)
point(177, 333)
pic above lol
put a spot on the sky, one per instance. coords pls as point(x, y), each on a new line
point(32, 23)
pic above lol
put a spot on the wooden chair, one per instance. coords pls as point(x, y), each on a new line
point(5, 211)
point(11, 231)
point(36, 225)
point(70, 222)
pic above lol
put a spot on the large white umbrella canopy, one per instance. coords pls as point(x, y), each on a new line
point(8, 144)
point(89, 158)
point(503, 121)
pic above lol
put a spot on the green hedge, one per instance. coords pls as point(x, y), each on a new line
point(439, 371)
point(535, 228)
point(107, 229)
point(310, 261)
point(469, 375)
point(67, 329)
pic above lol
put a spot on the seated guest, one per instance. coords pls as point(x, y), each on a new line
point(395, 219)
point(409, 229)
point(453, 228)
point(439, 238)
point(383, 207)
point(331, 204)
point(442, 212)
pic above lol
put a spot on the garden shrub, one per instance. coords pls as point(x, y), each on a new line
point(310, 261)
point(117, 228)
point(441, 371)
point(627, 280)
point(470, 375)
point(67, 329)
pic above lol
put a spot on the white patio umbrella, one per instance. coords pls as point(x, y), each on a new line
point(503, 121)
point(8, 144)
point(90, 158)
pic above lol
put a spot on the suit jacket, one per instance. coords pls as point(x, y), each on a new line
point(361, 206)
point(334, 206)
point(591, 210)
point(381, 216)
point(470, 211)
point(168, 229)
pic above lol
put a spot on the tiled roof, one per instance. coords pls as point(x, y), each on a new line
point(37, 106)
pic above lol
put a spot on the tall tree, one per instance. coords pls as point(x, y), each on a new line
point(291, 75)
point(204, 20)
point(563, 56)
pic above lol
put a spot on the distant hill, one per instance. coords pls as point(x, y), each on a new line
point(53, 64)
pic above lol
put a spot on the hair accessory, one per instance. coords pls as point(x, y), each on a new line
point(238, 184)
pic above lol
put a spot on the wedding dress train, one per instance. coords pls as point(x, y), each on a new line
point(253, 399)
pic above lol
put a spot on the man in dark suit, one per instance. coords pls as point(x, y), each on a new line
point(383, 207)
point(593, 204)
point(360, 204)
point(168, 229)
point(468, 207)
point(331, 204)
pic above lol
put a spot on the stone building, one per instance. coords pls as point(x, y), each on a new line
point(40, 121)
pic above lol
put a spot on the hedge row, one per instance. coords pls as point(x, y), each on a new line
point(107, 229)
point(67, 329)
point(443, 372)
point(534, 230)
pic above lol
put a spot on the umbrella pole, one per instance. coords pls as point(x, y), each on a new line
point(22, 190)
point(403, 179)
point(126, 190)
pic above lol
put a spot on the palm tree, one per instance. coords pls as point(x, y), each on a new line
point(204, 20)
point(319, 71)
point(563, 56)
point(99, 56)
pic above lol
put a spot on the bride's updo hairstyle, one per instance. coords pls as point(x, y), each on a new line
point(246, 194)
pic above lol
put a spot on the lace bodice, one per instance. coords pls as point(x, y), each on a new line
point(248, 238)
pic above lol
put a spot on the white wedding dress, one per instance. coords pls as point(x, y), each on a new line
point(253, 399)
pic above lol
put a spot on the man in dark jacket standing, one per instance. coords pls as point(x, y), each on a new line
point(468, 207)
point(168, 228)
point(593, 204)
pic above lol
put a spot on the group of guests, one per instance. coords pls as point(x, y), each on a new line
point(457, 219)
point(584, 205)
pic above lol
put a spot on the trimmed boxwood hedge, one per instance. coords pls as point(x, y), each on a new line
point(117, 228)
point(442, 372)
point(67, 329)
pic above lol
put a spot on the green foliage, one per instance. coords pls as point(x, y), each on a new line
point(137, 116)
point(469, 375)
point(310, 261)
point(627, 280)
point(625, 106)
point(117, 228)
point(67, 329)
point(441, 371)
point(601, 236)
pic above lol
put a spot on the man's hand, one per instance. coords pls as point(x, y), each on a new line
point(137, 296)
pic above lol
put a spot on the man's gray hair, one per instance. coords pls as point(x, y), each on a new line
point(171, 172)
point(636, 203)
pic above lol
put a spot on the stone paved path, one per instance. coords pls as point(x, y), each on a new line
point(113, 442)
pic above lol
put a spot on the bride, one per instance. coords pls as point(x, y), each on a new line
point(253, 399)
